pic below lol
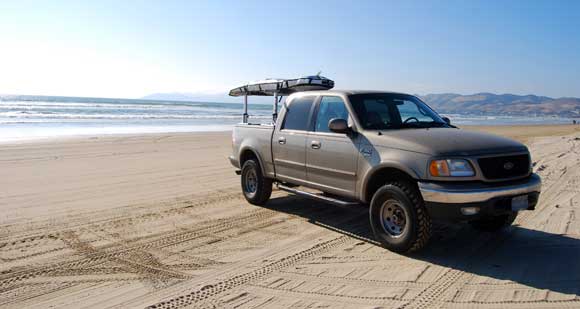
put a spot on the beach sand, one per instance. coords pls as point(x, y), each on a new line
point(136, 221)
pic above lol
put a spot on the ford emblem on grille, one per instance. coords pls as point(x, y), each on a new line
point(508, 166)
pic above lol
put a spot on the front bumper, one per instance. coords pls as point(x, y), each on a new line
point(447, 200)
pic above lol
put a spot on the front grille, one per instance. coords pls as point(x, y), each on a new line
point(505, 167)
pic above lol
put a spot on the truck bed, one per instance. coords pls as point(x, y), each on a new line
point(256, 135)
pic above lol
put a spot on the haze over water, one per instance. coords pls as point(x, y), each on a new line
point(41, 117)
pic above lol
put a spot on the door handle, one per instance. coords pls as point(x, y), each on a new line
point(315, 144)
point(282, 140)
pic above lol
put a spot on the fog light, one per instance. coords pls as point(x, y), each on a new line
point(470, 211)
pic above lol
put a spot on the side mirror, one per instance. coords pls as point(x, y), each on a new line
point(447, 120)
point(338, 126)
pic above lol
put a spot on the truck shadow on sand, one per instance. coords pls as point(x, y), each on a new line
point(524, 256)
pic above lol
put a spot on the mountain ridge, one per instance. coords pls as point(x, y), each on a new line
point(503, 104)
point(485, 103)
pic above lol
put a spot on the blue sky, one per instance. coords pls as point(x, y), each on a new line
point(133, 48)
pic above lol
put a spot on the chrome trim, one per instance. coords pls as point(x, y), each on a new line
point(454, 193)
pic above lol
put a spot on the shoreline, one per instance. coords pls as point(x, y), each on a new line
point(508, 130)
point(67, 138)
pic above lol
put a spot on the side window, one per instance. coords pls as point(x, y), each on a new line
point(329, 108)
point(297, 114)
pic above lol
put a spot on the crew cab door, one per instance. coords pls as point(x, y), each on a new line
point(289, 140)
point(331, 158)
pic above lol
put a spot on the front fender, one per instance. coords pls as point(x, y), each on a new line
point(410, 163)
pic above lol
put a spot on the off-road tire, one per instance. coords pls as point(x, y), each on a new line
point(417, 230)
point(495, 223)
point(263, 185)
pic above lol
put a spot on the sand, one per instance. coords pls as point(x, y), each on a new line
point(159, 220)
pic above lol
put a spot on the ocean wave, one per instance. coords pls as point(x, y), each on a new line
point(25, 104)
point(26, 115)
point(108, 108)
point(39, 110)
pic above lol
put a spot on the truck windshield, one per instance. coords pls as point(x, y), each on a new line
point(381, 111)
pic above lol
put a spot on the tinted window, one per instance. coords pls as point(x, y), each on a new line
point(297, 114)
point(375, 113)
point(411, 112)
point(380, 111)
point(329, 108)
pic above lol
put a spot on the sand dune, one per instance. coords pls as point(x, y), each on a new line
point(159, 221)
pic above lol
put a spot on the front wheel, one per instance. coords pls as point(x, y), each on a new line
point(398, 217)
point(256, 188)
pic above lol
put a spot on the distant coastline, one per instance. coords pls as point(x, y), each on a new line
point(504, 104)
point(30, 117)
point(474, 104)
point(483, 104)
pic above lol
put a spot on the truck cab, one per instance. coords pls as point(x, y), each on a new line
point(389, 151)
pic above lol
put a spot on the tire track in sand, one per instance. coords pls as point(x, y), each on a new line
point(212, 290)
point(7, 280)
point(207, 294)
point(51, 229)
point(433, 296)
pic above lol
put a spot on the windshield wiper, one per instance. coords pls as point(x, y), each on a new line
point(410, 125)
point(438, 124)
point(421, 125)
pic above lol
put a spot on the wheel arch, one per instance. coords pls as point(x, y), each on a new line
point(379, 175)
point(248, 153)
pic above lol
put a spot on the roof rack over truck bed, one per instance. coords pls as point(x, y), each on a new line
point(279, 88)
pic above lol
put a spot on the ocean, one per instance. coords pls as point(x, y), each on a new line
point(30, 117)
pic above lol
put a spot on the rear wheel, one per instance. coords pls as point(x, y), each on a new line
point(398, 217)
point(256, 188)
point(494, 223)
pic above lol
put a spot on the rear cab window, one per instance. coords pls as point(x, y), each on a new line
point(298, 114)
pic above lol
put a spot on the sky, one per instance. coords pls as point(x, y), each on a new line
point(129, 49)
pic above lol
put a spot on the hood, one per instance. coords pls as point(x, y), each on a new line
point(444, 141)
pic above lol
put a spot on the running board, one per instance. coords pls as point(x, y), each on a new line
point(318, 197)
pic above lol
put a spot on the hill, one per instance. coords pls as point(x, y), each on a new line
point(451, 103)
point(503, 104)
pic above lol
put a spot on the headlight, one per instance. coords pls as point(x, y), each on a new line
point(451, 167)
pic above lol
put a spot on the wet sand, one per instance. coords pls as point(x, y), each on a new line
point(159, 220)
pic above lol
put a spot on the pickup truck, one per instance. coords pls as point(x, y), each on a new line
point(389, 151)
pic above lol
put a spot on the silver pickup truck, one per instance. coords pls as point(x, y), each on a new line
point(389, 151)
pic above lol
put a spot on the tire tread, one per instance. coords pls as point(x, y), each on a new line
point(264, 190)
point(423, 218)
